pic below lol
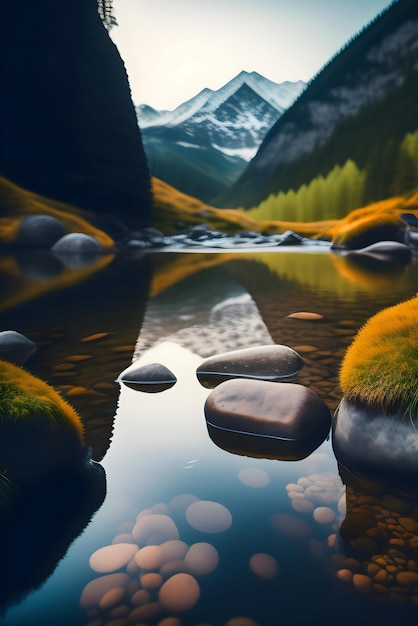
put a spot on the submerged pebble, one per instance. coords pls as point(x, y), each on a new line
point(113, 557)
point(208, 516)
point(154, 528)
point(179, 593)
point(202, 558)
point(305, 315)
point(253, 477)
point(264, 565)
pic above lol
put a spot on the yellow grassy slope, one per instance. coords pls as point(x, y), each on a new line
point(375, 214)
point(172, 207)
point(17, 203)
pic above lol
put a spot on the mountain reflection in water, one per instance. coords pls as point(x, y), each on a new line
point(246, 537)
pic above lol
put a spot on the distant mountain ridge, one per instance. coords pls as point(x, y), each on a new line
point(203, 145)
point(360, 107)
point(278, 95)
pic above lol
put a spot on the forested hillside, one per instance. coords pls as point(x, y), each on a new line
point(351, 137)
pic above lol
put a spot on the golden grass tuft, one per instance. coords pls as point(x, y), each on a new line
point(380, 367)
point(172, 206)
point(17, 203)
point(385, 213)
point(24, 397)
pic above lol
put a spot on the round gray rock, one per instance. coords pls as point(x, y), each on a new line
point(76, 242)
point(15, 347)
point(152, 378)
point(40, 231)
point(271, 363)
point(77, 250)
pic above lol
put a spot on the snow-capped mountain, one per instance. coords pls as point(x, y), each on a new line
point(234, 118)
point(203, 145)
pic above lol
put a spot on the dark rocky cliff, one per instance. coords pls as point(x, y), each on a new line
point(68, 125)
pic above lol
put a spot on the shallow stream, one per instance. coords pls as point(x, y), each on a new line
point(236, 539)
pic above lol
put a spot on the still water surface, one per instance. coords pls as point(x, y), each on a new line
point(248, 541)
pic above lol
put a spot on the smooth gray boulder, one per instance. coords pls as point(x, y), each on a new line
point(260, 418)
point(270, 362)
point(40, 231)
point(77, 250)
point(76, 242)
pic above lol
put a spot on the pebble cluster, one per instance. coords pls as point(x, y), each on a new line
point(373, 543)
point(380, 533)
point(322, 495)
point(148, 574)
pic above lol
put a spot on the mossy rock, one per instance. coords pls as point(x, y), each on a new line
point(39, 431)
point(379, 221)
point(380, 368)
point(370, 229)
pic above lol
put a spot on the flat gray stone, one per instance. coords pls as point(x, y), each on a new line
point(271, 363)
point(151, 378)
point(15, 347)
point(266, 418)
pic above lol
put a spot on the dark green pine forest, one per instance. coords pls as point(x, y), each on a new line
point(351, 137)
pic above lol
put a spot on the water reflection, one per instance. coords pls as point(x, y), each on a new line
point(283, 541)
point(42, 520)
point(85, 324)
point(379, 540)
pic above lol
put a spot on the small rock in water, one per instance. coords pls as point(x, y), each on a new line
point(15, 347)
point(153, 377)
point(76, 242)
point(271, 362)
point(305, 315)
point(274, 419)
point(289, 238)
point(77, 250)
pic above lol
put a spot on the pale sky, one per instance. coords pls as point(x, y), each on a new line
point(172, 49)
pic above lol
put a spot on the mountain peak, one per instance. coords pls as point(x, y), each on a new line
point(278, 95)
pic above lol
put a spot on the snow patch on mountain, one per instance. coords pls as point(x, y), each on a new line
point(234, 119)
point(278, 95)
point(244, 153)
